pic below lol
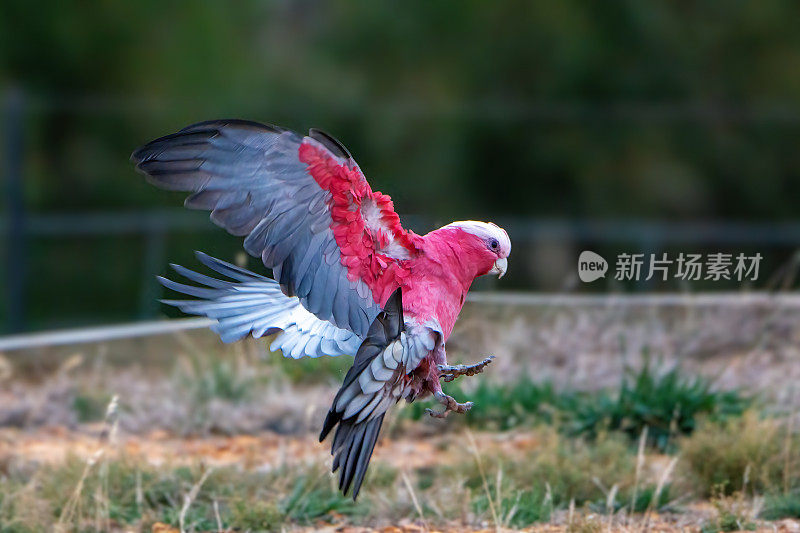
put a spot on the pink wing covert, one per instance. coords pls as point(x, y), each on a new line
point(372, 242)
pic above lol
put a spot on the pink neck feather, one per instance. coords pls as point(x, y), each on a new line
point(442, 275)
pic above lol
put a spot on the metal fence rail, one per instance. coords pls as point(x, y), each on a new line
point(159, 327)
point(100, 333)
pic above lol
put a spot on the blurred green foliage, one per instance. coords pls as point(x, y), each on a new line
point(216, 378)
point(90, 406)
point(742, 455)
point(130, 491)
point(577, 108)
point(668, 403)
point(525, 507)
point(777, 506)
point(459, 110)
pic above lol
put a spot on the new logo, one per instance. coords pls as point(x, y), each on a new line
point(591, 266)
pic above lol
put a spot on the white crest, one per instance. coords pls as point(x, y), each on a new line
point(484, 230)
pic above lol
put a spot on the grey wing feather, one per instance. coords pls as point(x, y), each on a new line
point(251, 179)
point(255, 305)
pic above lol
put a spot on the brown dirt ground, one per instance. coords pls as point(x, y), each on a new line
point(271, 450)
point(266, 450)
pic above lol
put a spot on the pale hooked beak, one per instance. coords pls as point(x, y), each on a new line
point(500, 266)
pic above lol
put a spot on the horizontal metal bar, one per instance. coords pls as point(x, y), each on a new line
point(159, 327)
point(520, 228)
point(101, 333)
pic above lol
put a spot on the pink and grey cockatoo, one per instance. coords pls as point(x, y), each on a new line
point(348, 279)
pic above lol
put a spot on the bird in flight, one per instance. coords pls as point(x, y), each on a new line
point(347, 278)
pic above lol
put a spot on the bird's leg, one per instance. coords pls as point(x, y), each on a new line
point(449, 403)
point(451, 372)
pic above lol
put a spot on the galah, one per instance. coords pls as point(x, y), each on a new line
point(347, 278)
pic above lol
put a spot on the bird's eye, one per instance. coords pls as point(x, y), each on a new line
point(494, 244)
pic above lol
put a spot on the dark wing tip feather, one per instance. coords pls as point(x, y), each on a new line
point(354, 454)
point(330, 142)
point(330, 422)
point(222, 122)
point(370, 438)
point(154, 147)
point(145, 151)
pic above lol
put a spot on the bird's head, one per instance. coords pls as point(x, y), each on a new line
point(483, 243)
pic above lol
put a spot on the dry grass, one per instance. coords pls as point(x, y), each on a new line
point(478, 483)
point(735, 512)
point(486, 483)
point(745, 454)
point(217, 438)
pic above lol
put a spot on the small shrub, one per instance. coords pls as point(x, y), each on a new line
point(517, 508)
point(90, 406)
point(588, 523)
point(574, 469)
point(666, 403)
point(501, 406)
point(255, 516)
point(745, 453)
point(779, 506)
point(645, 496)
point(313, 497)
point(734, 513)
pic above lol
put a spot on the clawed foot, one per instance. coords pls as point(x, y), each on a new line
point(450, 404)
point(451, 372)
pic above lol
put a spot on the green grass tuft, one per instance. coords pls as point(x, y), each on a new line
point(90, 406)
point(255, 516)
point(667, 403)
point(208, 378)
point(777, 506)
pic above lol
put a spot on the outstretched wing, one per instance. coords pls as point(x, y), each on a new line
point(378, 378)
point(304, 206)
point(254, 305)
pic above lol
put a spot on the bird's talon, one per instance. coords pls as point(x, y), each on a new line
point(450, 404)
point(436, 414)
point(450, 372)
